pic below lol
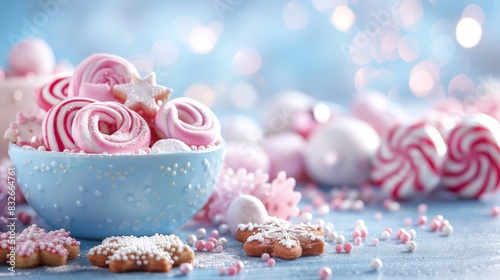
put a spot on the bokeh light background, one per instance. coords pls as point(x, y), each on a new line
point(234, 55)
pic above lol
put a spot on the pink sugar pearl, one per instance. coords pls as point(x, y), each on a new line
point(435, 225)
point(213, 240)
point(239, 265)
point(324, 273)
point(232, 270)
point(209, 246)
point(199, 245)
point(214, 234)
point(271, 262)
point(222, 271)
point(378, 216)
point(405, 237)
point(375, 241)
point(358, 240)
point(265, 257)
point(348, 247)
point(400, 231)
point(219, 249)
point(186, 268)
point(338, 248)
point(422, 220)
point(408, 221)
point(495, 211)
point(364, 233)
point(356, 233)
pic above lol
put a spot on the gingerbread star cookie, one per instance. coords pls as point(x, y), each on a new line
point(156, 253)
point(35, 247)
point(142, 94)
point(282, 238)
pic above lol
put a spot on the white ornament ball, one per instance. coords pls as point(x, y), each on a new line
point(245, 209)
point(339, 152)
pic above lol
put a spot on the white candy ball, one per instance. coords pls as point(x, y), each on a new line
point(411, 245)
point(245, 209)
point(376, 264)
point(339, 153)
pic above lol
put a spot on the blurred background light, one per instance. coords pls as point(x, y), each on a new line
point(343, 18)
point(469, 32)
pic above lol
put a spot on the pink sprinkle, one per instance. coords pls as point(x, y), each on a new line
point(186, 268)
point(495, 211)
point(338, 248)
point(199, 245)
point(364, 233)
point(435, 225)
point(222, 271)
point(219, 249)
point(214, 234)
point(239, 265)
point(213, 240)
point(209, 246)
point(324, 273)
point(271, 262)
point(399, 232)
point(405, 237)
point(422, 208)
point(232, 270)
point(348, 247)
point(408, 221)
point(358, 240)
point(444, 223)
point(422, 220)
point(378, 216)
point(438, 217)
point(375, 241)
point(356, 233)
point(265, 257)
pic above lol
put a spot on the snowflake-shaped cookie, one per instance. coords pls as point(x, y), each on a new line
point(142, 94)
point(156, 253)
point(25, 130)
point(36, 247)
point(281, 238)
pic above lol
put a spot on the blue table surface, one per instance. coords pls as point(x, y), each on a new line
point(471, 252)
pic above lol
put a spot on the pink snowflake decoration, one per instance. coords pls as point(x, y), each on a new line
point(278, 196)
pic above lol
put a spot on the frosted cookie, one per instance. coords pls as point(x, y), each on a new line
point(158, 253)
point(36, 247)
point(281, 238)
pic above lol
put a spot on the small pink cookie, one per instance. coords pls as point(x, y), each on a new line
point(26, 130)
point(31, 56)
point(109, 127)
point(286, 153)
point(57, 124)
point(409, 161)
point(248, 155)
point(97, 74)
point(189, 121)
point(169, 146)
point(473, 165)
point(53, 92)
point(142, 94)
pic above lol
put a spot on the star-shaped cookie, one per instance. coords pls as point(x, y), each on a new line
point(156, 253)
point(142, 94)
point(35, 247)
point(282, 238)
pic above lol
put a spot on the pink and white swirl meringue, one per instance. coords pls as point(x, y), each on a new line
point(97, 74)
point(53, 92)
point(188, 120)
point(110, 127)
point(57, 124)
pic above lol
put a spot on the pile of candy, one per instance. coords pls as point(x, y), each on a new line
point(105, 107)
point(451, 147)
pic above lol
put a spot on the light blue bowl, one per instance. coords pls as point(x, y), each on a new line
point(96, 196)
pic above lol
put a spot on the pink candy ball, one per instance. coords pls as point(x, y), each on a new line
point(199, 245)
point(186, 268)
point(338, 248)
point(285, 152)
point(324, 272)
point(271, 262)
point(209, 246)
point(246, 155)
point(339, 152)
point(31, 56)
point(348, 247)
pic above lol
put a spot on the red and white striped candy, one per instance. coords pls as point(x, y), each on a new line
point(409, 161)
point(473, 165)
point(53, 92)
point(56, 126)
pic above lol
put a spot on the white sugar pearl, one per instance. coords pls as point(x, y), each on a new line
point(223, 228)
point(411, 245)
point(376, 264)
point(447, 230)
point(223, 241)
point(340, 239)
point(306, 217)
point(394, 206)
point(191, 239)
point(323, 210)
point(201, 232)
point(413, 234)
point(331, 236)
point(385, 235)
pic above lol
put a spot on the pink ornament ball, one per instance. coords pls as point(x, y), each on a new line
point(339, 152)
point(285, 152)
point(248, 155)
point(31, 56)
